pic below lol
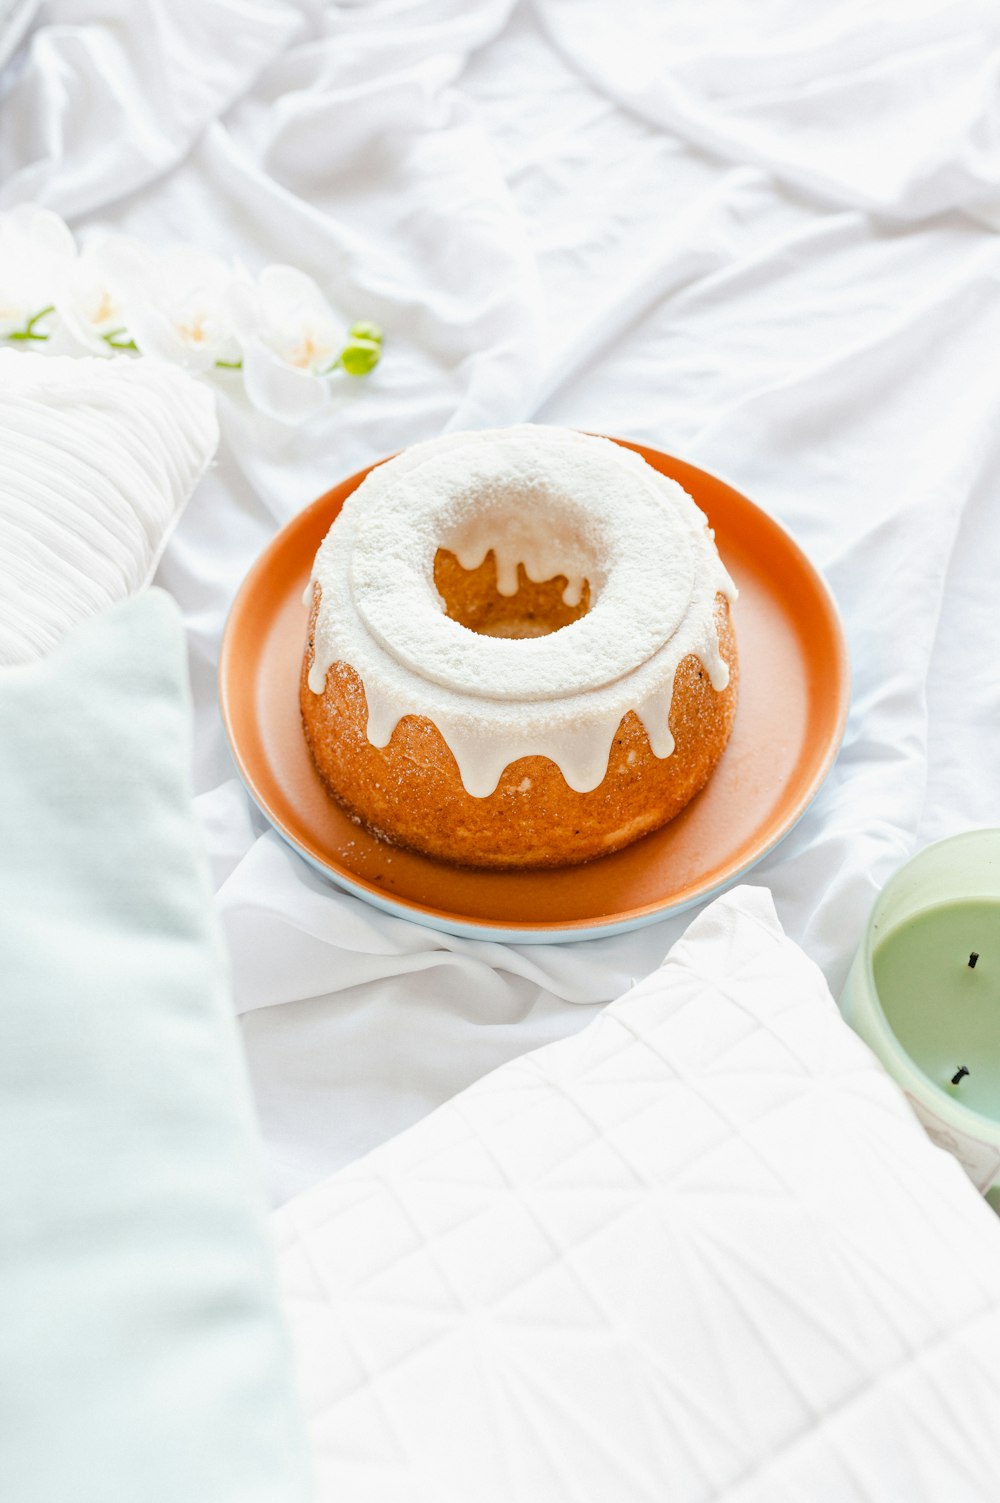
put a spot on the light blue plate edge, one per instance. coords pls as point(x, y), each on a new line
point(525, 936)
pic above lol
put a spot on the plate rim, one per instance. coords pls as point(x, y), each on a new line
point(540, 932)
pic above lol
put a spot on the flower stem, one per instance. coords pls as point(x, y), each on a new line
point(229, 365)
point(28, 332)
point(113, 342)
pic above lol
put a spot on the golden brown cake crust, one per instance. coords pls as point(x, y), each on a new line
point(410, 793)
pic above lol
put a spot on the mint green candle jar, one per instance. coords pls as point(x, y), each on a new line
point(924, 993)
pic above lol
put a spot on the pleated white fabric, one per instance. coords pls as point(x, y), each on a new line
point(99, 459)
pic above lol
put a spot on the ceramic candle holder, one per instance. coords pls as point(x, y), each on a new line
point(924, 993)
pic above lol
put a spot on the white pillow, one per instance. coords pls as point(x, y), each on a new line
point(99, 459)
point(700, 1251)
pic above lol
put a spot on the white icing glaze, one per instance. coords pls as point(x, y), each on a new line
point(560, 503)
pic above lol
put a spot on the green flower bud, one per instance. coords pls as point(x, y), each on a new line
point(366, 330)
point(360, 356)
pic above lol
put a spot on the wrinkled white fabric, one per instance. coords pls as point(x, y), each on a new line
point(758, 237)
point(891, 106)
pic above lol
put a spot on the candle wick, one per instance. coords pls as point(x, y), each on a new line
point(959, 1073)
point(972, 960)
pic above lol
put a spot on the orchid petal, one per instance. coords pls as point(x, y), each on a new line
point(35, 248)
point(278, 389)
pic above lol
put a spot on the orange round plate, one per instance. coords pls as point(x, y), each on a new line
point(794, 686)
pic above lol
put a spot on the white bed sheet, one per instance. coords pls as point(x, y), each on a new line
point(760, 237)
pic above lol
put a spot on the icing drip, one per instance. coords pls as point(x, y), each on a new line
point(558, 503)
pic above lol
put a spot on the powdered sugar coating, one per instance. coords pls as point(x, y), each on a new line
point(558, 502)
point(555, 502)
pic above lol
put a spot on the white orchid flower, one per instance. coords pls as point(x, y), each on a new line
point(93, 300)
point(36, 249)
point(291, 337)
point(176, 306)
point(182, 305)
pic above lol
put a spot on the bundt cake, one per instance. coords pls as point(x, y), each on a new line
point(520, 650)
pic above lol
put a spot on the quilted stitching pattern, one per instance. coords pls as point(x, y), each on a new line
point(699, 1251)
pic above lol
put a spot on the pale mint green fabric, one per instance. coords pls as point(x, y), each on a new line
point(142, 1355)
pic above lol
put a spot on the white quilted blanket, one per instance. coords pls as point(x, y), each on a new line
point(700, 1251)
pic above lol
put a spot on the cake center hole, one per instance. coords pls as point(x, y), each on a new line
point(471, 598)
